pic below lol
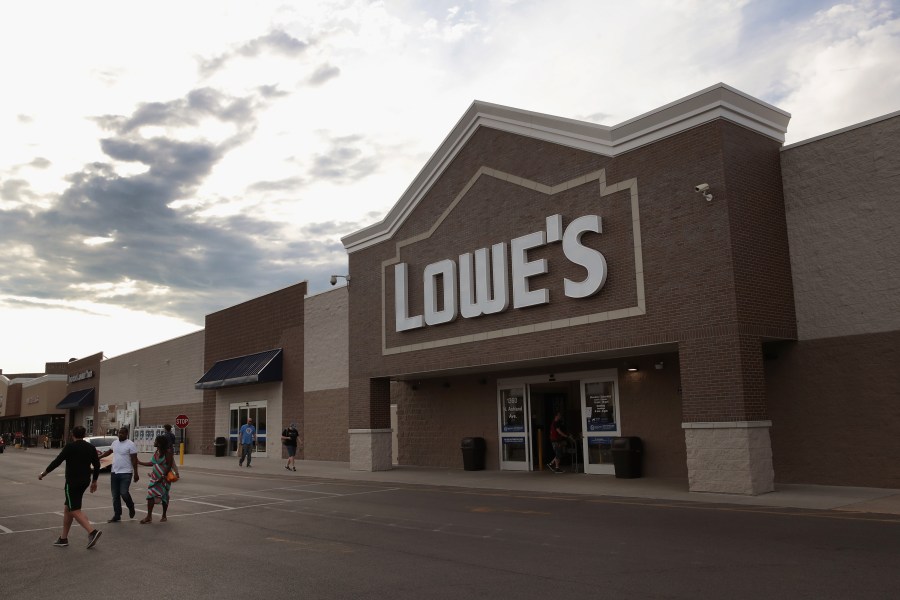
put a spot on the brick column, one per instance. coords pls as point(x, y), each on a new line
point(370, 426)
point(724, 414)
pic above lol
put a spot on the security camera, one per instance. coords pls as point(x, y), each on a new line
point(333, 279)
point(703, 188)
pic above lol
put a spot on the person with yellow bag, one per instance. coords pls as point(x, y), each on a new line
point(161, 477)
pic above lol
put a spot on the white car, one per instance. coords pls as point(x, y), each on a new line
point(102, 443)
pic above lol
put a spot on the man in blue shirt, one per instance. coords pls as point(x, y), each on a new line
point(247, 437)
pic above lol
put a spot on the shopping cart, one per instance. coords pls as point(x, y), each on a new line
point(573, 449)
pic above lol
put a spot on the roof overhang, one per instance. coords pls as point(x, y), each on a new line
point(262, 367)
point(78, 399)
point(716, 102)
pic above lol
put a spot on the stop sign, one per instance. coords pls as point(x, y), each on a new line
point(181, 421)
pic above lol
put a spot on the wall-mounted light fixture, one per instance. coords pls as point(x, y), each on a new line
point(659, 365)
point(552, 377)
point(631, 367)
point(703, 188)
point(334, 279)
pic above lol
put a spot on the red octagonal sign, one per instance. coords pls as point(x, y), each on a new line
point(181, 421)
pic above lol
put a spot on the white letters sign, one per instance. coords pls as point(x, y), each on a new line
point(476, 285)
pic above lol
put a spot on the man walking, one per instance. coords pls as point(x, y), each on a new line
point(173, 443)
point(558, 437)
point(289, 436)
point(79, 457)
point(247, 437)
point(124, 467)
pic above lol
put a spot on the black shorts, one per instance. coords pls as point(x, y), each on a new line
point(74, 492)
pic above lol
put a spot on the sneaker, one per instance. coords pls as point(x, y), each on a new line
point(295, 468)
point(287, 467)
point(114, 520)
point(248, 465)
point(93, 537)
point(61, 542)
point(131, 512)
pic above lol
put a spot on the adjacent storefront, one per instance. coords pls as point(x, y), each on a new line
point(44, 423)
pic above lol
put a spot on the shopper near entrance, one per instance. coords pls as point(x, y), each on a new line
point(80, 457)
point(158, 489)
point(558, 438)
point(290, 436)
point(247, 438)
point(124, 468)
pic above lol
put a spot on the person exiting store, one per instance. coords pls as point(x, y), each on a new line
point(124, 468)
point(290, 438)
point(558, 438)
point(247, 437)
point(80, 457)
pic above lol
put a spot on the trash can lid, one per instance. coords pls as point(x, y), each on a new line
point(627, 443)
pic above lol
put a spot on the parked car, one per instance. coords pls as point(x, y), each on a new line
point(102, 443)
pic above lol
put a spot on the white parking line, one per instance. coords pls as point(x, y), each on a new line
point(209, 504)
point(5, 530)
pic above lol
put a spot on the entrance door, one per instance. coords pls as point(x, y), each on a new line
point(239, 414)
point(600, 417)
point(515, 427)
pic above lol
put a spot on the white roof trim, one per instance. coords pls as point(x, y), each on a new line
point(842, 130)
point(716, 102)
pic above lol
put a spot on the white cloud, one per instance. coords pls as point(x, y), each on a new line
point(335, 106)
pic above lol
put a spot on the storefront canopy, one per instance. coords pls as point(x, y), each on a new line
point(262, 367)
point(79, 399)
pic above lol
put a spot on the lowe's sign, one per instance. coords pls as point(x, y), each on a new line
point(477, 284)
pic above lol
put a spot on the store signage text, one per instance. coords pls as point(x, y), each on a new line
point(81, 376)
point(484, 289)
point(33, 400)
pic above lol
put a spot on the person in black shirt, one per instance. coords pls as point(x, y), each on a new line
point(80, 456)
point(289, 437)
point(173, 443)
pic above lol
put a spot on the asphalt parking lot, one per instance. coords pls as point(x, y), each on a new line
point(300, 534)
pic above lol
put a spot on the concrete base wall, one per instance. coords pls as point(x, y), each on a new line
point(729, 458)
point(370, 450)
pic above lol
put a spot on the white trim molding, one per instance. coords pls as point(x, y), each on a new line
point(719, 101)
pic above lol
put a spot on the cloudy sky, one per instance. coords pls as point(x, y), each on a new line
point(161, 161)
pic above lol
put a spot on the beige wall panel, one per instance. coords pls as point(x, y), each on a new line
point(843, 216)
point(156, 376)
point(40, 396)
point(326, 354)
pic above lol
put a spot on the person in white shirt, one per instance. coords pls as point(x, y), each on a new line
point(124, 467)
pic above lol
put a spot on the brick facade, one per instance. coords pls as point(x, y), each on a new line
point(711, 279)
point(275, 320)
point(833, 394)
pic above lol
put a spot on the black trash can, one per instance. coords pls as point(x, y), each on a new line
point(627, 454)
point(473, 450)
point(221, 444)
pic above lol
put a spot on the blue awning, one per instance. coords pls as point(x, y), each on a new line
point(79, 399)
point(261, 367)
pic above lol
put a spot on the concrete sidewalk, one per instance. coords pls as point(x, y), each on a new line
point(854, 499)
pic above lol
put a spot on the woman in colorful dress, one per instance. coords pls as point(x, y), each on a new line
point(163, 461)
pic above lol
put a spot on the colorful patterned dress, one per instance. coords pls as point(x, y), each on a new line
point(158, 489)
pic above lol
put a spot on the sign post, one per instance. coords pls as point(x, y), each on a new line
point(181, 422)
